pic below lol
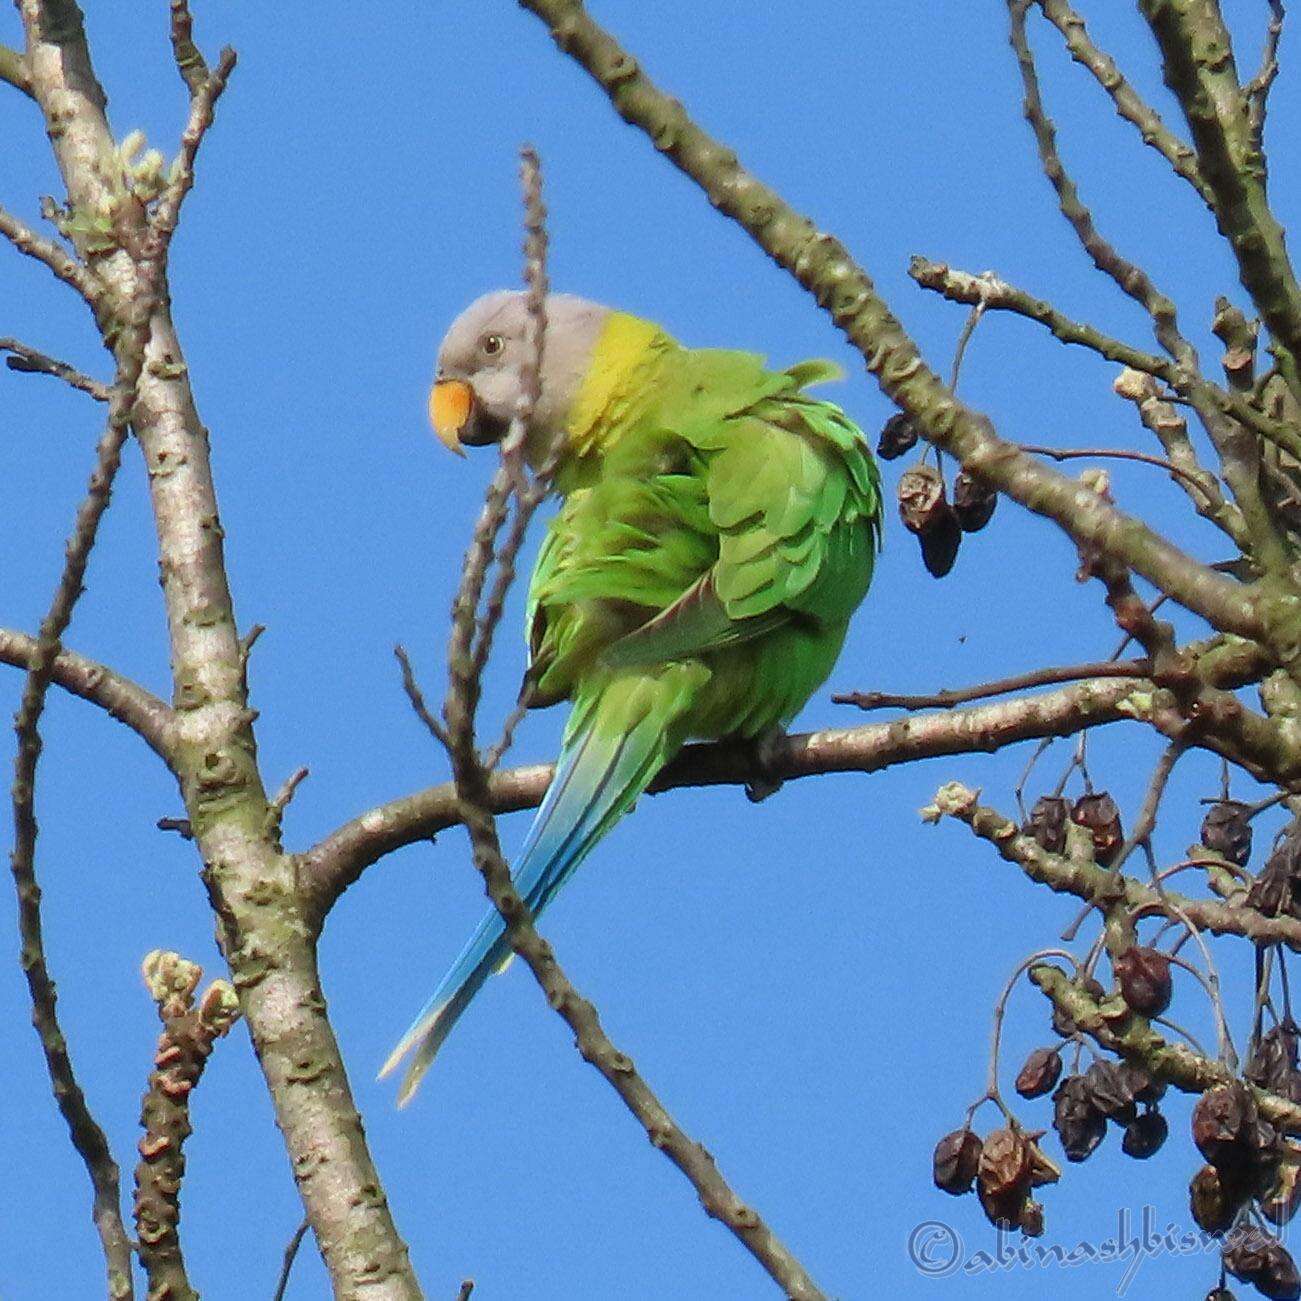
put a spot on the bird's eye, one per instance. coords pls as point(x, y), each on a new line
point(492, 344)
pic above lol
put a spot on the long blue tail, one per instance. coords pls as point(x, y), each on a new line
point(616, 741)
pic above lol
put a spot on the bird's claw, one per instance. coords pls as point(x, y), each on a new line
point(765, 782)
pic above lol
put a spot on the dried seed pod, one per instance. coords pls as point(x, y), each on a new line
point(1144, 1135)
point(921, 498)
point(1212, 1204)
point(1043, 1169)
point(1224, 1125)
point(1041, 1071)
point(1079, 1124)
point(957, 1158)
point(1144, 1088)
point(1226, 831)
point(1144, 977)
point(898, 436)
point(1110, 1091)
point(1220, 1294)
point(940, 545)
point(925, 511)
point(1031, 1221)
point(1047, 822)
point(1099, 816)
point(1265, 1263)
point(973, 501)
point(1004, 1164)
point(1275, 891)
point(1273, 1061)
point(1282, 1195)
point(1003, 1210)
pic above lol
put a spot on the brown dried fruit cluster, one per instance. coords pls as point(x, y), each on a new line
point(1263, 1261)
point(1082, 1105)
point(1277, 890)
point(1246, 1159)
point(1143, 975)
point(1226, 830)
point(1047, 822)
point(1005, 1168)
point(926, 512)
point(1273, 1062)
point(1098, 815)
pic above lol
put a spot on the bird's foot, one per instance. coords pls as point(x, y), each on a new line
point(765, 782)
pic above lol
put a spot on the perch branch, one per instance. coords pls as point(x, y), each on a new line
point(329, 867)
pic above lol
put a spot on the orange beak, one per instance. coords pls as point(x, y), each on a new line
point(451, 402)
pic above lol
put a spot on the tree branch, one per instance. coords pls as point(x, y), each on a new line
point(86, 1135)
point(329, 867)
point(250, 881)
point(123, 700)
point(1045, 677)
point(823, 266)
point(13, 70)
point(29, 361)
point(1128, 103)
point(1198, 64)
point(186, 1043)
point(189, 61)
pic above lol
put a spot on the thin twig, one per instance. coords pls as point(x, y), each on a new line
point(202, 114)
point(1128, 103)
point(62, 264)
point(946, 698)
point(471, 782)
point(29, 361)
point(280, 801)
point(86, 1135)
point(291, 1254)
point(1117, 454)
point(1257, 89)
point(189, 61)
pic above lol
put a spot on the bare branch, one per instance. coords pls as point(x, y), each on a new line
point(121, 698)
point(13, 70)
point(1258, 88)
point(189, 61)
point(1129, 104)
point(1130, 278)
point(202, 113)
point(328, 868)
point(1198, 64)
point(85, 1133)
point(291, 1254)
point(272, 959)
point(1045, 677)
point(1119, 454)
point(186, 1043)
point(66, 267)
point(28, 360)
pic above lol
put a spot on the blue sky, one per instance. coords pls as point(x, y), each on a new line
point(807, 983)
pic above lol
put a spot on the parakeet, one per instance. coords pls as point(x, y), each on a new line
point(718, 527)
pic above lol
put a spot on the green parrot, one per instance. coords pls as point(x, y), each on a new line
point(717, 529)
